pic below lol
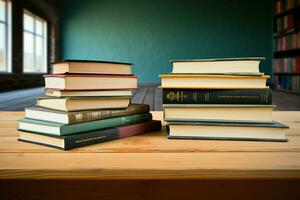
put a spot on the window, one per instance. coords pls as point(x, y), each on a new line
point(34, 44)
point(5, 36)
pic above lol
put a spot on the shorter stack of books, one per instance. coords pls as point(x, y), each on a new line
point(219, 99)
point(87, 102)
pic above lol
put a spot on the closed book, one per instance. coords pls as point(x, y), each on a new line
point(248, 65)
point(87, 93)
point(88, 138)
point(75, 117)
point(89, 82)
point(199, 96)
point(201, 81)
point(228, 131)
point(82, 103)
point(91, 67)
point(52, 128)
point(219, 112)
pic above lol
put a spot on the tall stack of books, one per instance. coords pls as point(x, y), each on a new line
point(86, 102)
point(219, 99)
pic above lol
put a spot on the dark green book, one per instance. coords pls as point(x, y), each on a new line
point(75, 117)
point(228, 131)
point(52, 128)
point(202, 96)
point(92, 137)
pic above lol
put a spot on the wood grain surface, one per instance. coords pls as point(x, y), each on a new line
point(152, 156)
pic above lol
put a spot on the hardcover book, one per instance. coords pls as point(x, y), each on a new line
point(219, 112)
point(75, 117)
point(249, 66)
point(91, 67)
point(87, 93)
point(52, 128)
point(88, 138)
point(228, 131)
point(198, 81)
point(82, 103)
point(89, 82)
point(202, 96)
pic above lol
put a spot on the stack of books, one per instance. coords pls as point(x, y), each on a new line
point(219, 99)
point(86, 102)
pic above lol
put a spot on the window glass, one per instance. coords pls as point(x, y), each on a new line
point(2, 10)
point(35, 44)
point(39, 54)
point(28, 52)
point(38, 27)
point(5, 36)
point(28, 22)
point(2, 48)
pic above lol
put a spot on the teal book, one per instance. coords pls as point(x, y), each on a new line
point(59, 129)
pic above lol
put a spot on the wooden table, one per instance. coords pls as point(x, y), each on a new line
point(150, 166)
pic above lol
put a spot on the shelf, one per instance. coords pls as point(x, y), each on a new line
point(287, 73)
point(287, 53)
point(286, 32)
point(287, 91)
point(286, 12)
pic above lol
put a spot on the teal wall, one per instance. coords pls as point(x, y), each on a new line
point(149, 33)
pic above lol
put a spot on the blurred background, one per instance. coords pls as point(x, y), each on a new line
point(33, 33)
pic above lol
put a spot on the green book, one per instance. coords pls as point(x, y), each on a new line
point(52, 128)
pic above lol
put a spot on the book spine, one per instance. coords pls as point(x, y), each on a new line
point(99, 136)
point(182, 96)
point(79, 117)
point(105, 123)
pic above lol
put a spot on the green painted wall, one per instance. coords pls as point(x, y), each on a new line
point(149, 33)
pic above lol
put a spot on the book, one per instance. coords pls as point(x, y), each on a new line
point(82, 103)
point(249, 65)
point(88, 138)
point(75, 117)
point(228, 131)
point(89, 82)
point(219, 112)
point(202, 96)
point(196, 81)
point(52, 128)
point(91, 67)
point(87, 93)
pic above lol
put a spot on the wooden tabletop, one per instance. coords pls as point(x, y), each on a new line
point(152, 156)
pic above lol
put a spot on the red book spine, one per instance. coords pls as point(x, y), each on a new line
point(136, 129)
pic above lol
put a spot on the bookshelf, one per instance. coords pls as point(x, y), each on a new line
point(286, 66)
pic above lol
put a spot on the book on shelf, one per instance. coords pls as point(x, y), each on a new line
point(219, 112)
point(281, 6)
point(91, 67)
point(228, 131)
point(87, 93)
point(213, 81)
point(89, 138)
point(248, 65)
point(287, 65)
point(89, 82)
point(216, 96)
point(52, 128)
point(288, 82)
point(75, 117)
point(287, 42)
point(286, 22)
point(82, 103)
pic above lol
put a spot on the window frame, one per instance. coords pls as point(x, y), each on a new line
point(44, 37)
point(7, 36)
